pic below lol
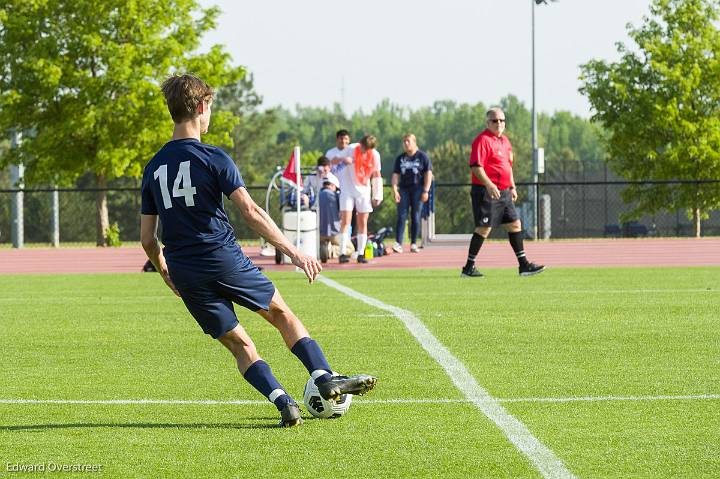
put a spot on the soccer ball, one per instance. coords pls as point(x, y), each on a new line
point(322, 408)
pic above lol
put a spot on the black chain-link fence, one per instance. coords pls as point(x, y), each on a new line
point(596, 210)
point(584, 209)
point(77, 214)
point(566, 210)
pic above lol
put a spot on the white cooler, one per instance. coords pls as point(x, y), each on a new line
point(308, 231)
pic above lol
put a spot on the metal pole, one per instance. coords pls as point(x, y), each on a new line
point(298, 192)
point(318, 188)
point(55, 226)
point(17, 172)
point(537, 210)
point(534, 132)
point(606, 195)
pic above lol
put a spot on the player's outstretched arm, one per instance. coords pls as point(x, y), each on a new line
point(263, 225)
point(151, 245)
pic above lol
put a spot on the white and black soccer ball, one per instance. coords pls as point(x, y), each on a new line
point(322, 408)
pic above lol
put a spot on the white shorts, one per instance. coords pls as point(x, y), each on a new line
point(355, 199)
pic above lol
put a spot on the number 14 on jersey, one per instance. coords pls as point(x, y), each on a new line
point(183, 177)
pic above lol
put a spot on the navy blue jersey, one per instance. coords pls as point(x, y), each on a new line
point(184, 184)
point(412, 168)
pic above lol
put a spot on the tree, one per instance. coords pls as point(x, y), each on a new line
point(573, 146)
point(661, 105)
point(81, 78)
point(450, 166)
point(255, 146)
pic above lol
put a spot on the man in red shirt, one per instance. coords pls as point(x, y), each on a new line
point(493, 194)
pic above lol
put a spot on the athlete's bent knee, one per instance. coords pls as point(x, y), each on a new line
point(483, 231)
point(237, 341)
point(514, 227)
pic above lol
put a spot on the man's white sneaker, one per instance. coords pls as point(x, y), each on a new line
point(397, 247)
point(414, 248)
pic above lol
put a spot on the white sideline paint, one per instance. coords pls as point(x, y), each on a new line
point(241, 402)
point(549, 465)
point(687, 397)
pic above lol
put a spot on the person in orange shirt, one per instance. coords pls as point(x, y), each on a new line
point(361, 189)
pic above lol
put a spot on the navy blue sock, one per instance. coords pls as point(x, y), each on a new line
point(312, 357)
point(260, 376)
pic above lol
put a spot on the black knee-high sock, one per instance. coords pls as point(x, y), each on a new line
point(516, 241)
point(475, 244)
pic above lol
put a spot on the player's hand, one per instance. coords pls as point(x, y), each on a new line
point(376, 203)
point(347, 160)
point(397, 197)
point(513, 195)
point(168, 281)
point(424, 197)
point(310, 266)
point(493, 191)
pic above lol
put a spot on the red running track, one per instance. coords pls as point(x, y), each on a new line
point(494, 254)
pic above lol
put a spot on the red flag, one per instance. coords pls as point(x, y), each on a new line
point(290, 172)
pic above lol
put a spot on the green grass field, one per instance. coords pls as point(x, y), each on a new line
point(639, 350)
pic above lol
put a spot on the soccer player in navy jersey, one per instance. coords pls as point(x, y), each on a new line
point(201, 262)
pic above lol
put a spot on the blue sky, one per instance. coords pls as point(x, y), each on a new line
point(318, 52)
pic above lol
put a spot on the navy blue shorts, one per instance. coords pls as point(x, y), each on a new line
point(211, 301)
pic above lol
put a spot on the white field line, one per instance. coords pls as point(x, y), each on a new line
point(549, 465)
point(628, 291)
point(687, 397)
point(241, 402)
point(602, 291)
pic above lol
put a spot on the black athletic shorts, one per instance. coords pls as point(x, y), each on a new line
point(489, 212)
